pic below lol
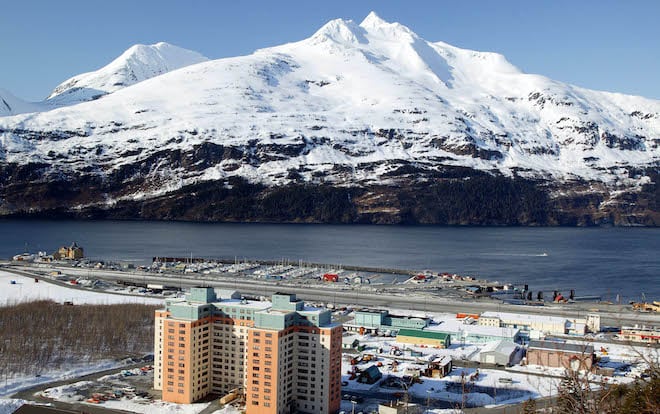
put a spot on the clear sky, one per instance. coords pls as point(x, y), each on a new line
point(611, 45)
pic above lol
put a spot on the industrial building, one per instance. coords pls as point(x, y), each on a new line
point(285, 356)
point(538, 326)
point(555, 354)
point(380, 319)
point(534, 326)
point(645, 334)
point(419, 337)
point(473, 333)
point(499, 353)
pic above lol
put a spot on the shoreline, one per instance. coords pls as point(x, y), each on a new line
point(405, 297)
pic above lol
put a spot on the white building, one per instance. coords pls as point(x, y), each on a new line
point(500, 353)
point(536, 325)
point(473, 333)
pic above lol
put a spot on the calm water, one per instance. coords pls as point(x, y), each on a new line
point(593, 261)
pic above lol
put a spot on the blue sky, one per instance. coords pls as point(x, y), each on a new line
point(599, 44)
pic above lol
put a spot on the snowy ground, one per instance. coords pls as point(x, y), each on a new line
point(16, 383)
point(25, 290)
point(129, 383)
point(8, 406)
point(73, 393)
point(520, 388)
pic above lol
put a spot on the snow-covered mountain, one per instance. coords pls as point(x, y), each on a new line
point(353, 106)
point(138, 63)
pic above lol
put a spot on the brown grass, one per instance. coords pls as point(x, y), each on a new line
point(38, 335)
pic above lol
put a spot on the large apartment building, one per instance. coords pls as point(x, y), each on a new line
point(285, 356)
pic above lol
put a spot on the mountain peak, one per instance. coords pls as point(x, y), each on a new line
point(372, 20)
point(340, 31)
point(373, 24)
point(139, 62)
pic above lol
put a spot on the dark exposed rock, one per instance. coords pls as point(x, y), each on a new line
point(468, 147)
point(625, 143)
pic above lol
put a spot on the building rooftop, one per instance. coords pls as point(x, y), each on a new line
point(418, 333)
point(523, 317)
point(277, 311)
point(504, 347)
point(312, 309)
point(244, 303)
point(561, 346)
point(442, 360)
point(454, 326)
point(372, 310)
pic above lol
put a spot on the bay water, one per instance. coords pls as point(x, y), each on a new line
point(593, 261)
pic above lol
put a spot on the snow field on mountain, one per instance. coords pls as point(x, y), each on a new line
point(368, 94)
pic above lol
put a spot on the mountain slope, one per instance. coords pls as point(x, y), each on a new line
point(371, 107)
point(11, 105)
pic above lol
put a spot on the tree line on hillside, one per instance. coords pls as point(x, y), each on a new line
point(40, 335)
point(477, 199)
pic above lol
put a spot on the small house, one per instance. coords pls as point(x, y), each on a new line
point(370, 375)
point(439, 367)
point(349, 342)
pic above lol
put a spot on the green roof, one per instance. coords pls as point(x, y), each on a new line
point(418, 333)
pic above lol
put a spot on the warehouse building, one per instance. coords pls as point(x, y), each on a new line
point(422, 338)
point(646, 334)
point(379, 319)
point(502, 353)
point(473, 333)
point(556, 354)
point(534, 326)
